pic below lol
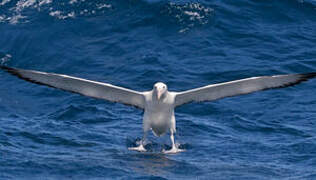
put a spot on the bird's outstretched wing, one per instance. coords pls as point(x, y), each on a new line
point(239, 87)
point(81, 86)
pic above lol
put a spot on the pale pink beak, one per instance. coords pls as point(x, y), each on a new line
point(159, 93)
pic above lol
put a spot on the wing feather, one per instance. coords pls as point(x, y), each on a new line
point(239, 87)
point(81, 86)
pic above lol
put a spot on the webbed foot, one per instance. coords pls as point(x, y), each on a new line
point(139, 148)
point(173, 150)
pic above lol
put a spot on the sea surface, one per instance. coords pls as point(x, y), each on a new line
point(51, 134)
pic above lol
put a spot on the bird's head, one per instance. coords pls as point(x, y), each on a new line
point(160, 89)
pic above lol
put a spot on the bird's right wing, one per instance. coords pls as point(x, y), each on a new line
point(81, 86)
point(239, 87)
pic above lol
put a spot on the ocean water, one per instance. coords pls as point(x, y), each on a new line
point(51, 134)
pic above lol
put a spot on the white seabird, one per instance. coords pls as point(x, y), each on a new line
point(159, 103)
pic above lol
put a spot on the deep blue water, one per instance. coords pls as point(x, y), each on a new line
point(51, 134)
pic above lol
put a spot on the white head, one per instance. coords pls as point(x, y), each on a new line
point(160, 89)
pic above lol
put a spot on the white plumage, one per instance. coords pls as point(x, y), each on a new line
point(159, 103)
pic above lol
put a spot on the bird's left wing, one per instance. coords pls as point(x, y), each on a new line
point(81, 86)
point(239, 87)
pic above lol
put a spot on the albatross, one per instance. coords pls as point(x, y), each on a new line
point(159, 103)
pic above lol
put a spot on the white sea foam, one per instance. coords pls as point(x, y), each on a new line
point(61, 15)
point(5, 59)
point(18, 12)
point(4, 2)
point(190, 14)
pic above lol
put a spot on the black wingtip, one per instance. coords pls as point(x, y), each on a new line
point(308, 75)
point(10, 70)
point(4, 67)
point(301, 78)
point(19, 73)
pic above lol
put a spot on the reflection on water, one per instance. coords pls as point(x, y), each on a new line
point(156, 164)
point(151, 164)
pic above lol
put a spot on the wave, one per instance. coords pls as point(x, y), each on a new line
point(185, 15)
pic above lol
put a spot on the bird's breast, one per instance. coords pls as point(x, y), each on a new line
point(159, 121)
point(158, 114)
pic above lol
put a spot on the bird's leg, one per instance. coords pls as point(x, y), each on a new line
point(141, 147)
point(174, 149)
